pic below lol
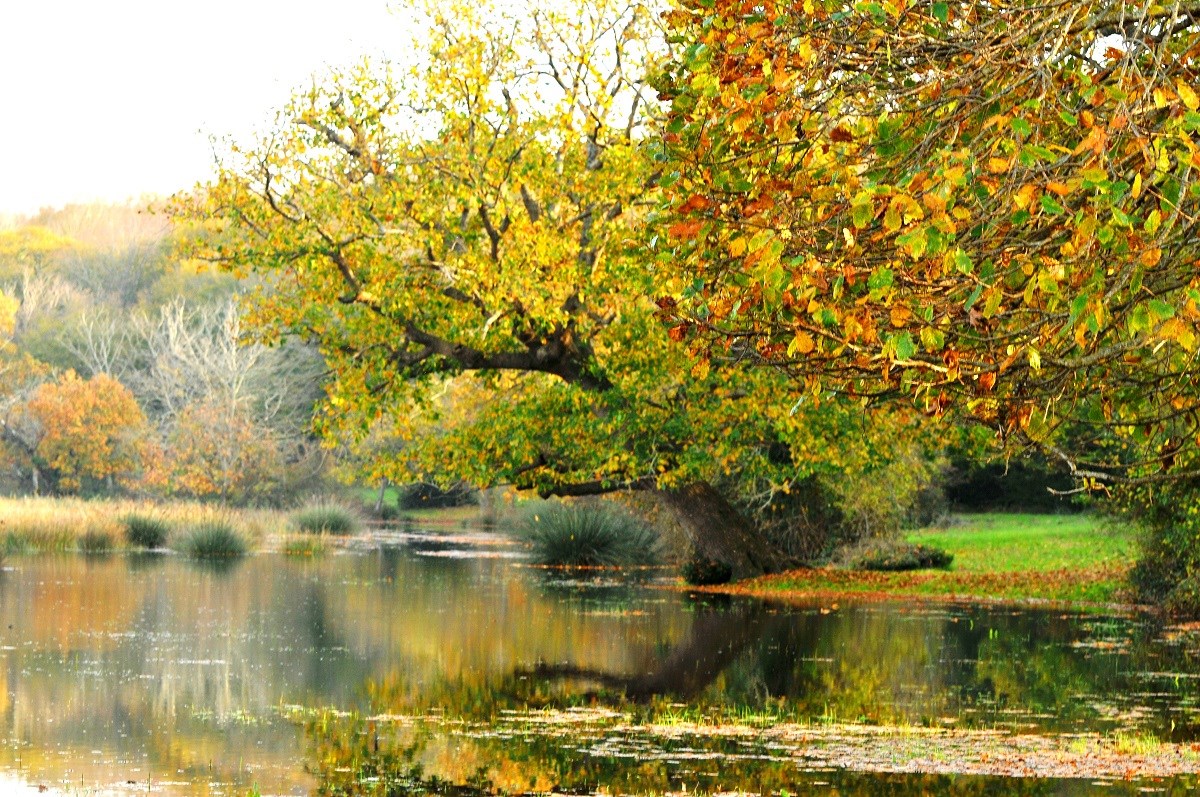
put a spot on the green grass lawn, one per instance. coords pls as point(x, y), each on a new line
point(994, 543)
point(1062, 558)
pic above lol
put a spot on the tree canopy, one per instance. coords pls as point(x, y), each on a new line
point(990, 208)
point(483, 213)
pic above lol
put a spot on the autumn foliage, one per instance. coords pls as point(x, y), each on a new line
point(91, 430)
point(989, 208)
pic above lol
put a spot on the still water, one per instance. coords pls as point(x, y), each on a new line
point(154, 674)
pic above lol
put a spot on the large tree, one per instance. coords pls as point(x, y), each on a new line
point(466, 239)
point(990, 207)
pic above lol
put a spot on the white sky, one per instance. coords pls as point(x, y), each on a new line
point(116, 99)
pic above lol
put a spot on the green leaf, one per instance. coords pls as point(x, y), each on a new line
point(902, 345)
point(1050, 205)
point(962, 262)
point(881, 279)
point(941, 12)
point(1020, 126)
point(974, 297)
point(932, 339)
point(863, 212)
point(1161, 310)
point(914, 242)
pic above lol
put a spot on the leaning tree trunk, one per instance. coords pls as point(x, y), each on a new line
point(717, 530)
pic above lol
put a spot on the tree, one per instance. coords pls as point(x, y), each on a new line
point(990, 208)
point(467, 241)
point(90, 430)
point(216, 450)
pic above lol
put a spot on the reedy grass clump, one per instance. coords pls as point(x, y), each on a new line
point(587, 536)
point(214, 538)
point(145, 531)
point(305, 545)
point(96, 541)
point(326, 518)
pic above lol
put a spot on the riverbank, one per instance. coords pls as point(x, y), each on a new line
point(1068, 559)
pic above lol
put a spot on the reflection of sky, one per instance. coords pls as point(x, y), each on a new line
point(117, 99)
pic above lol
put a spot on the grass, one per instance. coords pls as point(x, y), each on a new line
point(214, 538)
point(996, 543)
point(588, 535)
point(145, 531)
point(1059, 558)
point(97, 541)
point(55, 525)
point(305, 545)
point(326, 518)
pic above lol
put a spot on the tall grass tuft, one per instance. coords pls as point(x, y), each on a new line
point(305, 545)
point(95, 541)
point(214, 538)
point(326, 518)
point(145, 531)
point(588, 536)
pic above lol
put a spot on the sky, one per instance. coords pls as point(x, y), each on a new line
point(114, 100)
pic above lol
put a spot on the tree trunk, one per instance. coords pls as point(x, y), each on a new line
point(717, 530)
point(715, 640)
point(383, 485)
point(36, 476)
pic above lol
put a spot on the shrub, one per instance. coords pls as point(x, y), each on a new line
point(214, 538)
point(326, 518)
point(900, 556)
point(144, 531)
point(96, 541)
point(699, 571)
point(588, 536)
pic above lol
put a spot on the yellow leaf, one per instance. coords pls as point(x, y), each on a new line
point(1137, 186)
point(801, 344)
point(1187, 94)
point(1024, 198)
point(998, 165)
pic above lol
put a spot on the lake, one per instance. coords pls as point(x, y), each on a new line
point(131, 674)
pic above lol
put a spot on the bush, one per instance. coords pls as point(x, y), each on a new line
point(214, 538)
point(144, 531)
point(588, 536)
point(700, 572)
point(326, 518)
point(96, 541)
point(900, 556)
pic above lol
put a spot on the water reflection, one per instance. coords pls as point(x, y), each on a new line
point(150, 668)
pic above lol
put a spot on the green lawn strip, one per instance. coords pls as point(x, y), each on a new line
point(1060, 558)
point(995, 543)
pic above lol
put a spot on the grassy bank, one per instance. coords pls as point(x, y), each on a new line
point(39, 525)
point(1061, 558)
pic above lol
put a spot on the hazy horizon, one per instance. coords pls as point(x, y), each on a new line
point(118, 102)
